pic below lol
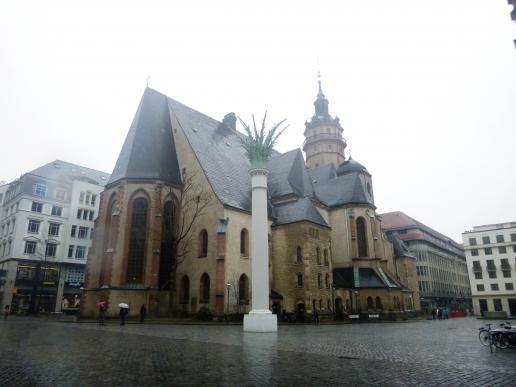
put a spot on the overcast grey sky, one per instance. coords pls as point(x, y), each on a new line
point(425, 90)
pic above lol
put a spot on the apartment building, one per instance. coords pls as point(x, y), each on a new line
point(491, 258)
point(46, 227)
point(440, 262)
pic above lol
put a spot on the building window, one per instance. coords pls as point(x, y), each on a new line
point(83, 233)
point(243, 290)
point(70, 251)
point(497, 305)
point(499, 239)
point(53, 229)
point(494, 286)
point(299, 254)
point(509, 286)
point(370, 305)
point(480, 287)
point(205, 288)
point(60, 194)
point(502, 250)
point(40, 190)
point(37, 207)
point(319, 280)
point(57, 211)
point(74, 276)
point(486, 240)
point(73, 232)
point(361, 237)
point(203, 243)
point(327, 280)
point(33, 226)
point(185, 290)
point(138, 234)
point(488, 251)
point(474, 252)
point(379, 305)
point(513, 237)
point(318, 255)
point(478, 275)
point(51, 250)
point(514, 248)
point(492, 274)
point(299, 280)
point(79, 213)
point(325, 256)
point(472, 241)
point(244, 243)
point(80, 252)
point(506, 273)
point(30, 247)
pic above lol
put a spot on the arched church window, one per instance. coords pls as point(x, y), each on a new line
point(203, 243)
point(205, 288)
point(319, 280)
point(243, 290)
point(370, 303)
point(325, 255)
point(185, 290)
point(379, 305)
point(361, 237)
point(138, 233)
point(299, 254)
point(318, 255)
point(327, 280)
point(244, 242)
point(299, 280)
point(166, 261)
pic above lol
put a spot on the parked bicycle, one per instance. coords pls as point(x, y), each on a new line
point(502, 338)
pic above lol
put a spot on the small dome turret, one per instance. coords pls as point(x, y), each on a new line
point(350, 166)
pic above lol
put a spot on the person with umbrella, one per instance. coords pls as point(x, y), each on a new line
point(102, 307)
point(124, 311)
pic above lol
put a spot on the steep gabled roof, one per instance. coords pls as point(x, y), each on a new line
point(149, 151)
point(298, 211)
point(347, 189)
point(289, 176)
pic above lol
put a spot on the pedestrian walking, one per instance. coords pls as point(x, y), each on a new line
point(124, 311)
point(7, 309)
point(316, 316)
point(439, 313)
point(143, 313)
point(433, 314)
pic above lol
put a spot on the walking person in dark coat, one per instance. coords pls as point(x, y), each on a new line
point(6, 312)
point(433, 314)
point(123, 314)
point(143, 313)
point(316, 316)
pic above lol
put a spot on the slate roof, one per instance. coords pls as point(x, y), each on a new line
point(341, 190)
point(149, 151)
point(350, 166)
point(288, 175)
point(58, 170)
point(363, 277)
point(298, 210)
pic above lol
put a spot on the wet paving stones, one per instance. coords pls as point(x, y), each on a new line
point(39, 352)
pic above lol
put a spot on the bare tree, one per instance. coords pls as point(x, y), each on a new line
point(179, 223)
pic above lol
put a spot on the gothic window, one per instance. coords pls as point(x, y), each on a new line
point(205, 289)
point(361, 237)
point(299, 280)
point(185, 289)
point(318, 255)
point(319, 280)
point(370, 303)
point(325, 255)
point(203, 243)
point(243, 290)
point(379, 305)
point(244, 243)
point(299, 254)
point(166, 260)
point(327, 280)
point(138, 233)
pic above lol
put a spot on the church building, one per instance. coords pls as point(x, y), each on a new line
point(174, 227)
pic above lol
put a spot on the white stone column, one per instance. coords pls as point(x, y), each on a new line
point(260, 318)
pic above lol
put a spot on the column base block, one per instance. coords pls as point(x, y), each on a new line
point(260, 321)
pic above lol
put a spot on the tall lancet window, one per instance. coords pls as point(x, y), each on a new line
point(361, 237)
point(167, 258)
point(136, 255)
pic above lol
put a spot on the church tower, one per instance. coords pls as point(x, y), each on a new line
point(324, 143)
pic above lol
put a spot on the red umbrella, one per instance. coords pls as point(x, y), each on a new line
point(100, 304)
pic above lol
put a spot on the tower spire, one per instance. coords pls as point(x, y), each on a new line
point(320, 94)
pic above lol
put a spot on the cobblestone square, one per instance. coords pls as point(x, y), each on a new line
point(39, 352)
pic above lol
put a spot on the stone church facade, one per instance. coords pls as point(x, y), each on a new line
point(327, 249)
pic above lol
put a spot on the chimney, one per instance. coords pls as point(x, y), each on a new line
point(229, 121)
